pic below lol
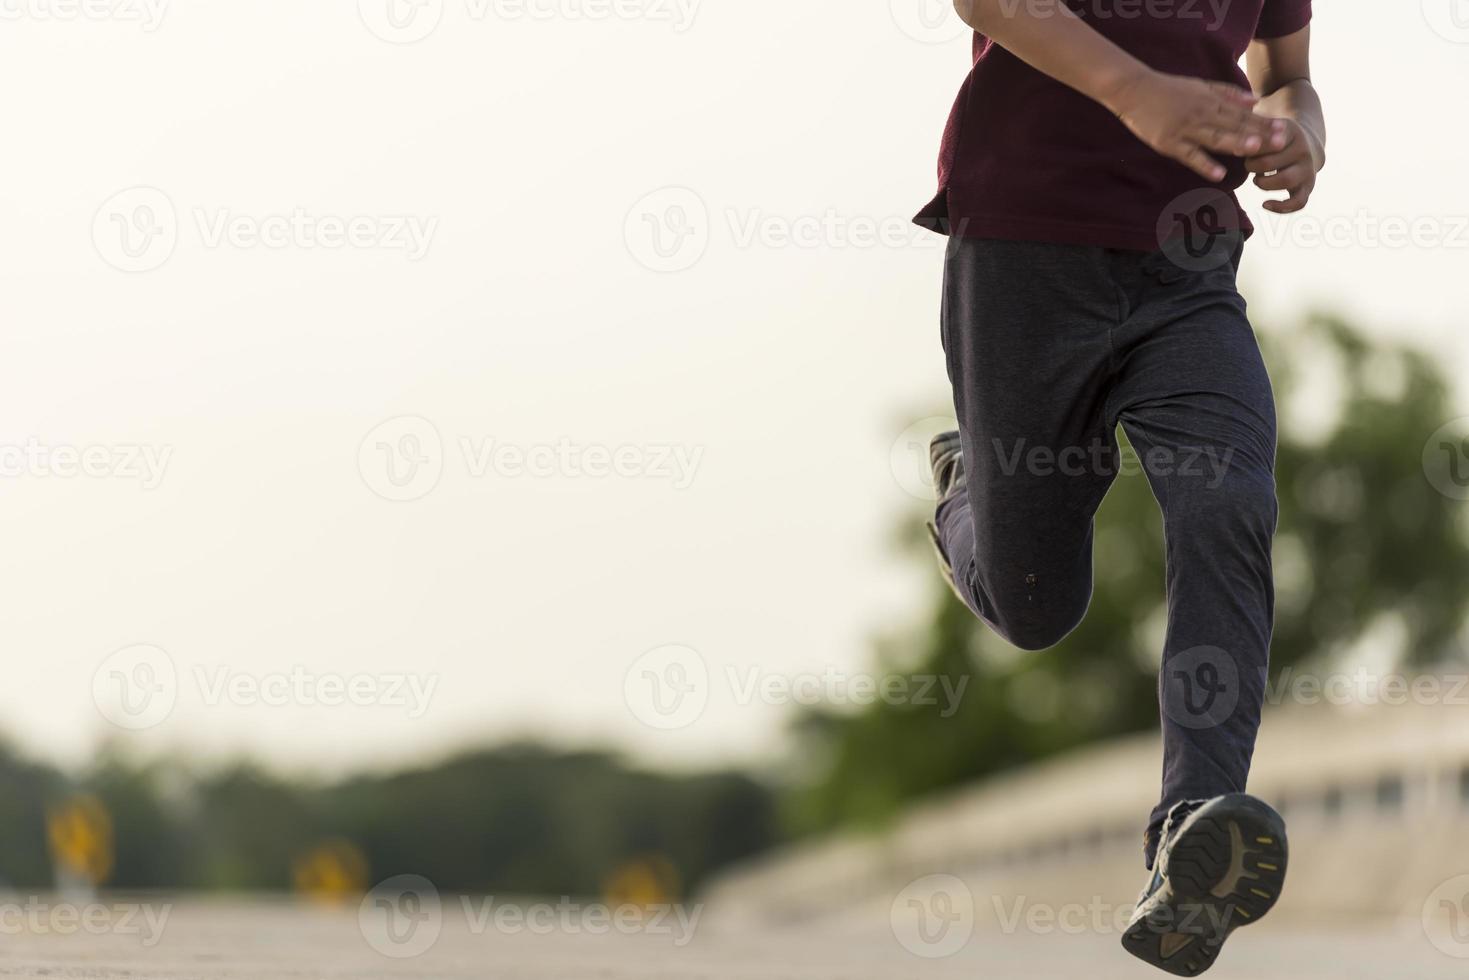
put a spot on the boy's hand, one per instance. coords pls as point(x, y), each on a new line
point(1291, 169)
point(1187, 118)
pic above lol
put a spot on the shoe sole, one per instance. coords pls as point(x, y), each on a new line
point(1225, 870)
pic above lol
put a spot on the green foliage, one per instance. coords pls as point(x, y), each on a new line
point(25, 789)
point(525, 819)
point(1364, 542)
point(519, 819)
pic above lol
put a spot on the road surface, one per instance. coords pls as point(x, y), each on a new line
point(229, 939)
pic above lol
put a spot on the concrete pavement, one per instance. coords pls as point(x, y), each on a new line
point(218, 939)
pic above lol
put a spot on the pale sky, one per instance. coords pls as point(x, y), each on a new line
point(242, 237)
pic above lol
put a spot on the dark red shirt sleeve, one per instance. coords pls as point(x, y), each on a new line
point(1281, 18)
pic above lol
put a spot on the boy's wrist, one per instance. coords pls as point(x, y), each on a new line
point(1118, 88)
point(1318, 147)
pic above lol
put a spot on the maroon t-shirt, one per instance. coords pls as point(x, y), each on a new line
point(1025, 157)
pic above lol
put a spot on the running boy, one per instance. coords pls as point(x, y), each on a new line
point(1086, 181)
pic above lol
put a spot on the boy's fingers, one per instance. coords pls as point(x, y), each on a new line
point(1273, 133)
point(1227, 141)
point(1270, 132)
point(1276, 136)
point(1193, 156)
point(1234, 93)
point(1290, 205)
point(1271, 162)
point(1291, 177)
point(1279, 160)
point(1241, 119)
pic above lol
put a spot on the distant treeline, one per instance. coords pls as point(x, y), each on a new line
point(517, 819)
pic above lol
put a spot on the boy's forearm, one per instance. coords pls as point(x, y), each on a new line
point(1058, 43)
point(1190, 120)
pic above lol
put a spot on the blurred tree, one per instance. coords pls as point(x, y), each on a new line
point(1365, 543)
point(25, 791)
point(531, 820)
point(252, 827)
point(518, 819)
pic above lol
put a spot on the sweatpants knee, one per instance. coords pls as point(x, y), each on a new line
point(1033, 610)
point(1036, 638)
point(1031, 631)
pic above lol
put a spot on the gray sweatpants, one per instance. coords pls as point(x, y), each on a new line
point(1049, 347)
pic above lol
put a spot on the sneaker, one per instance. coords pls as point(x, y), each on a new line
point(1220, 865)
point(946, 456)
